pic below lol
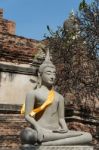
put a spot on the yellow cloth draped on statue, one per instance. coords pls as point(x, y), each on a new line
point(49, 101)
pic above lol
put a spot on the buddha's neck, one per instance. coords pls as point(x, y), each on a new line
point(47, 87)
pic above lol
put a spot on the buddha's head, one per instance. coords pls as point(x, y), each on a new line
point(47, 71)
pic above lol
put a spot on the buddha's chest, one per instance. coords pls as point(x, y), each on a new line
point(42, 98)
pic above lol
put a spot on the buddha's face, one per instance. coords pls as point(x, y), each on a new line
point(48, 76)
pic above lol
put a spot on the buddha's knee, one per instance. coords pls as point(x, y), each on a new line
point(88, 136)
point(28, 136)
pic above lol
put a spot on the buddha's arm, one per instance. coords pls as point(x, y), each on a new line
point(29, 105)
point(61, 114)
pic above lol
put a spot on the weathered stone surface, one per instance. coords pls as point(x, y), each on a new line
point(57, 148)
point(11, 68)
point(14, 86)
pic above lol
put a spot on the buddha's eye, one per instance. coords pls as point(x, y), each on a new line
point(51, 73)
point(48, 73)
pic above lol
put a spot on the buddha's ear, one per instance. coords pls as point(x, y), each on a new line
point(38, 74)
point(39, 79)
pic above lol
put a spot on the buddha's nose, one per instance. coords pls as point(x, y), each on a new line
point(52, 78)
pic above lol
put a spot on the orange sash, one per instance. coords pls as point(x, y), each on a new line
point(48, 102)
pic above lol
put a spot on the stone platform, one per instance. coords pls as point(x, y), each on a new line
point(56, 148)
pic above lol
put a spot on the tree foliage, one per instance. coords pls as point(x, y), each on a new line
point(74, 48)
point(89, 25)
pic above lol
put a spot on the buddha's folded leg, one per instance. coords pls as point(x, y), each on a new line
point(70, 138)
point(28, 136)
point(50, 136)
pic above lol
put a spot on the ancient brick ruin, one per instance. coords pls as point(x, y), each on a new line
point(16, 57)
point(16, 65)
point(15, 48)
point(16, 53)
point(6, 26)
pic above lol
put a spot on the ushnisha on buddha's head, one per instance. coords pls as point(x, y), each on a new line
point(47, 71)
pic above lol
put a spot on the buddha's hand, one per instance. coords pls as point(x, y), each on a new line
point(40, 135)
point(61, 131)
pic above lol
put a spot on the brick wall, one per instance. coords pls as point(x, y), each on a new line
point(13, 48)
point(6, 26)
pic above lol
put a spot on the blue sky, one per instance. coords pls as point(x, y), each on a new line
point(32, 16)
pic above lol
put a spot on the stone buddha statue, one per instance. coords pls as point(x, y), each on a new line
point(44, 110)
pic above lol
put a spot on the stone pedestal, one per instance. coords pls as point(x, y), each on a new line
point(25, 147)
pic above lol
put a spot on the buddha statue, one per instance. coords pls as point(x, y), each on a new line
point(44, 111)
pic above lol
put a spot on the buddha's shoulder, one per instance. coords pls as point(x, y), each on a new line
point(32, 92)
point(59, 96)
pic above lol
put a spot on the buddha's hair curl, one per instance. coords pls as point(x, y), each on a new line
point(47, 63)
